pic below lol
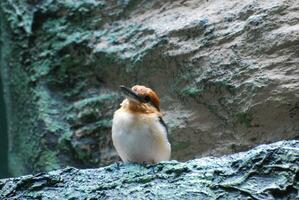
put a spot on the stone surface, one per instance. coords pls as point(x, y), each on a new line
point(265, 172)
point(227, 73)
point(3, 136)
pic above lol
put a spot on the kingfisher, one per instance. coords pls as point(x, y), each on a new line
point(139, 133)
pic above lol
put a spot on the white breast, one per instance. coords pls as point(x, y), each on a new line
point(139, 138)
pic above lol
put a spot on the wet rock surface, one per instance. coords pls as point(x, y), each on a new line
point(227, 73)
point(265, 172)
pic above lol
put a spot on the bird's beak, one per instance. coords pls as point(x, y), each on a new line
point(131, 95)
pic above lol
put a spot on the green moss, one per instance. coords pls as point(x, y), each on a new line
point(95, 101)
point(191, 91)
point(245, 119)
point(49, 108)
point(81, 154)
point(48, 160)
point(180, 145)
point(58, 65)
point(142, 179)
point(107, 186)
point(15, 168)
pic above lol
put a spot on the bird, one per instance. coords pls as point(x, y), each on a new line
point(139, 133)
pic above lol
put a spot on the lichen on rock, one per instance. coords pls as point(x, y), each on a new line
point(265, 172)
point(227, 75)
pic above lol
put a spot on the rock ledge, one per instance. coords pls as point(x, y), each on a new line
point(265, 172)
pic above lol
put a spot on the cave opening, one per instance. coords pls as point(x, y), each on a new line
point(3, 136)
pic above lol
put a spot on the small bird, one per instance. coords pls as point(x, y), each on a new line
point(139, 133)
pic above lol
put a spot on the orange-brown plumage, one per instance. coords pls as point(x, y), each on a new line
point(145, 91)
point(148, 102)
point(139, 133)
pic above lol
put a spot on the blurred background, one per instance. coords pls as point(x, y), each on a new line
point(226, 72)
point(3, 137)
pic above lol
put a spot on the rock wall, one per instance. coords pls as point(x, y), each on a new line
point(227, 73)
point(3, 136)
point(266, 172)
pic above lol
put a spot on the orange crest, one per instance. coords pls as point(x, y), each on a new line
point(147, 93)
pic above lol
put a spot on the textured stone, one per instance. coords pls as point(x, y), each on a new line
point(227, 73)
point(266, 172)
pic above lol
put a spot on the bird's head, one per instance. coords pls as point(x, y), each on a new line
point(140, 95)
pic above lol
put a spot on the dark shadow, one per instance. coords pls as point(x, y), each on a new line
point(3, 136)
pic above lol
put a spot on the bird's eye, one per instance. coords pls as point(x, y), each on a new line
point(147, 98)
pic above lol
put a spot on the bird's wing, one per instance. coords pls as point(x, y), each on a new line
point(163, 124)
point(161, 147)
